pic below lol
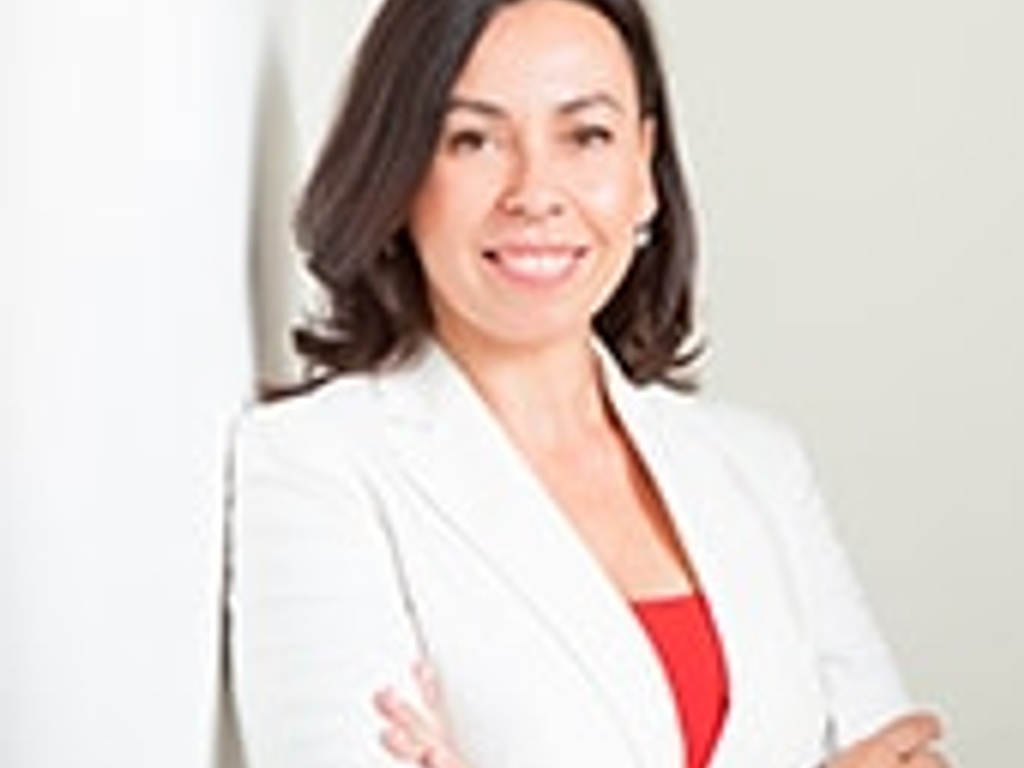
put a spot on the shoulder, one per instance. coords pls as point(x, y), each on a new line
point(316, 428)
point(758, 445)
point(737, 426)
point(694, 417)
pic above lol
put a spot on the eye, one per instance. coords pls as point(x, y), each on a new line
point(587, 136)
point(466, 140)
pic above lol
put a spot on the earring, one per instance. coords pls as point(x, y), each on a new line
point(642, 236)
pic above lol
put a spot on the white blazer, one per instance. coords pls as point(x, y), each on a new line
point(386, 517)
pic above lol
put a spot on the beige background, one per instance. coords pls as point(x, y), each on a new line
point(861, 178)
point(858, 171)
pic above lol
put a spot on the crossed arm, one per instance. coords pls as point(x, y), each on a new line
point(418, 735)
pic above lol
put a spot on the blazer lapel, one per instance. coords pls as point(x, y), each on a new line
point(728, 542)
point(459, 456)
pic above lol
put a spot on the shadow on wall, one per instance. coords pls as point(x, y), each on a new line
point(274, 282)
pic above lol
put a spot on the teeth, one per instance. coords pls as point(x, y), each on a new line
point(535, 266)
point(538, 266)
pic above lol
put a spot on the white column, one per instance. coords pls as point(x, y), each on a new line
point(124, 233)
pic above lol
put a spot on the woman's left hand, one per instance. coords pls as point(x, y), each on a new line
point(413, 735)
point(907, 742)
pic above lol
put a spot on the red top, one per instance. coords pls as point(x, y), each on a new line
point(683, 632)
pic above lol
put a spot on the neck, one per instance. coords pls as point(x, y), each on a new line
point(544, 397)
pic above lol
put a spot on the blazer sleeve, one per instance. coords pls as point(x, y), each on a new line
point(860, 679)
point(860, 675)
point(316, 615)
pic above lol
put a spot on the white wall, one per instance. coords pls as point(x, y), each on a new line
point(124, 350)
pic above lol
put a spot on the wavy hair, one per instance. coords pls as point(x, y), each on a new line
point(351, 219)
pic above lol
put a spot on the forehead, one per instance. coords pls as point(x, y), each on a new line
point(548, 51)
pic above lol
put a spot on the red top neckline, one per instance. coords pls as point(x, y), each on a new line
point(682, 630)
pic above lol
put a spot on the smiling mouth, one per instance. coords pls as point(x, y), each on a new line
point(535, 264)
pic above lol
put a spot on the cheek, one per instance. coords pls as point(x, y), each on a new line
point(425, 213)
point(446, 205)
point(616, 187)
point(617, 201)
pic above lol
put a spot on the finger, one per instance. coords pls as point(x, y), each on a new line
point(911, 733)
point(428, 752)
point(399, 712)
point(442, 757)
point(430, 688)
point(411, 735)
point(401, 744)
point(926, 758)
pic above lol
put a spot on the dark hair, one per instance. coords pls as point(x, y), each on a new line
point(352, 217)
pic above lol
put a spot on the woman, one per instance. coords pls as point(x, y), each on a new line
point(500, 473)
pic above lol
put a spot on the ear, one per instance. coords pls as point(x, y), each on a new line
point(648, 198)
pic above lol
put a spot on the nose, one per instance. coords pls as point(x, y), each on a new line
point(533, 191)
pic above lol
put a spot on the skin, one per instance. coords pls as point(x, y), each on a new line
point(525, 225)
point(525, 222)
point(908, 741)
point(418, 736)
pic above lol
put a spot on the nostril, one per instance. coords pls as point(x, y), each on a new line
point(509, 204)
point(531, 205)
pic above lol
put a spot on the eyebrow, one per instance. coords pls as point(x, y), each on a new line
point(569, 107)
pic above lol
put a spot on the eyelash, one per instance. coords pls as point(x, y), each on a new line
point(589, 135)
point(474, 140)
point(466, 140)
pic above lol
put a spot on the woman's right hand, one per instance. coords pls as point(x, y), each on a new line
point(414, 735)
point(907, 742)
